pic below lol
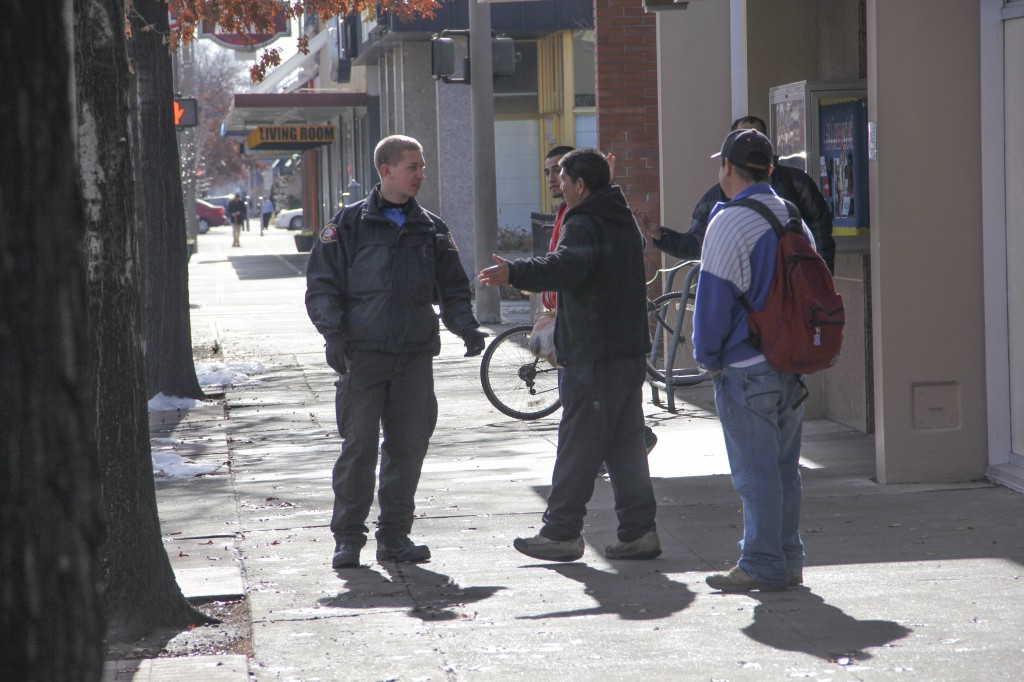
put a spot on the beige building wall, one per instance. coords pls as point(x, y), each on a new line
point(819, 40)
point(924, 306)
point(781, 48)
point(928, 322)
point(695, 105)
point(794, 40)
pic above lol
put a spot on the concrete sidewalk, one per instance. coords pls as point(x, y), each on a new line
point(902, 582)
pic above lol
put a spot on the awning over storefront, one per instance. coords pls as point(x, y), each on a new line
point(250, 110)
point(294, 64)
point(293, 137)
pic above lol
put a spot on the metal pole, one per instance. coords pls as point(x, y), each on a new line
point(488, 299)
point(187, 143)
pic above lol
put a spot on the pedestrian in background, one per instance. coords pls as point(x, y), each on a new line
point(266, 211)
point(236, 209)
point(371, 283)
point(246, 200)
point(759, 407)
point(601, 339)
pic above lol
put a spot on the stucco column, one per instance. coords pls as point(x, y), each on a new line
point(695, 106)
point(926, 221)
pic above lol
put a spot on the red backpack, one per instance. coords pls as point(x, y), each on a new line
point(800, 328)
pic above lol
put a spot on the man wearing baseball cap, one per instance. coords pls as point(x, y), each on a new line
point(747, 148)
point(755, 402)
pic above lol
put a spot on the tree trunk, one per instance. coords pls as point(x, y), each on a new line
point(141, 594)
point(170, 368)
point(50, 523)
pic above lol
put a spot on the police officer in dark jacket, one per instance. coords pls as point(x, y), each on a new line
point(788, 182)
point(601, 338)
point(371, 282)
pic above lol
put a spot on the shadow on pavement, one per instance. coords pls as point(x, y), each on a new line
point(429, 596)
point(799, 620)
point(270, 266)
point(639, 595)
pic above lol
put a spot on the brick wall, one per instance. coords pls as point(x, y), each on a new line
point(627, 102)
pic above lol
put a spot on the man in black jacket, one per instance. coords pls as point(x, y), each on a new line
point(788, 182)
point(601, 339)
point(371, 283)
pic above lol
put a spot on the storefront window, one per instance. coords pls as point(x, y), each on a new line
point(583, 68)
point(517, 95)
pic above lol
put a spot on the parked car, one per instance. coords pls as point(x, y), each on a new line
point(209, 216)
point(221, 200)
point(289, 219)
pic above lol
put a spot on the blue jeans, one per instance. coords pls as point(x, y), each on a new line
point(762, 438)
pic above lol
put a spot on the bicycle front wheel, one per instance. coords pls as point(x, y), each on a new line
point(517, 383)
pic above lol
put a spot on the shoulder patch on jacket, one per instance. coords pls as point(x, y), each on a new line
point(329, 233)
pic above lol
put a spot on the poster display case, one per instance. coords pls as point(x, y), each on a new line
point(820, 127)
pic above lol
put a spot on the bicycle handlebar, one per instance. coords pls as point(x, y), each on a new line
point(677, 266)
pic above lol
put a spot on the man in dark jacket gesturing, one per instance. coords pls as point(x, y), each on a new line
point(601, 339)
point(370, 285)
point(789, 183)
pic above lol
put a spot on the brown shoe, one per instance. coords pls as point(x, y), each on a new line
point(540, 547)
point(647, 546)
point(738, 580)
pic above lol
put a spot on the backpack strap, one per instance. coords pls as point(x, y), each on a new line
point(769, 215)
point(777, 226)
point(795, 225)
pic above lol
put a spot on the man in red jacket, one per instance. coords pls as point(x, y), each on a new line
point(552, 169)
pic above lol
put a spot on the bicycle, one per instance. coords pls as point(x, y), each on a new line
point(517, 382)
point(523, 386)
point(667, 318)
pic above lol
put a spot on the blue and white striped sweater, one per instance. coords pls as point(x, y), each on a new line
point(738, 257)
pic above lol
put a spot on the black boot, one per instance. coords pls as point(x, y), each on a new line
point(402, 550)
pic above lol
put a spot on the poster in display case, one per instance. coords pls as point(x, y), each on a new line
point(799, 114)
point(842, 172)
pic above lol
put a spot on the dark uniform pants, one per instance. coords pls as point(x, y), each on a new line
point(393, 393)
point(602, 421)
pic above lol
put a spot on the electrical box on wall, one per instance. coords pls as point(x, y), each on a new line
point(936, 406)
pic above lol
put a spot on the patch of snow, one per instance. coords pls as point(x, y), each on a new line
point(171, 465)
point(230, 373)
point(165, 403)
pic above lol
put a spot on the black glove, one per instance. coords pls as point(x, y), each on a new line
point(474, 340)
point(335, 352)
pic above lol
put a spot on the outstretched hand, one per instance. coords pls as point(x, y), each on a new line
point(648, 229)
point(496, 275)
